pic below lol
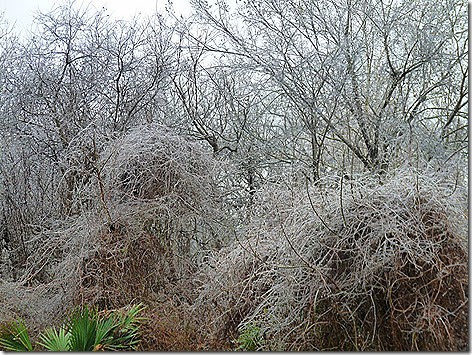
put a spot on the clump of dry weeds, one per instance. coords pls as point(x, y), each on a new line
point(147, 227)
point(369, 267)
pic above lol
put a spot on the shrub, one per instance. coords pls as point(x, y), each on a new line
point(250, 338)
point(381, 267)
point(86, 329)
point(149, 221)
point(159, 203)
point(14, 336)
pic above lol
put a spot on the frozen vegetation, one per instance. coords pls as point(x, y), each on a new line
point(266, 175)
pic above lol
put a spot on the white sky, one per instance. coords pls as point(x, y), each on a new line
point(21, 12)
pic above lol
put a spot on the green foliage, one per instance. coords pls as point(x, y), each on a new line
point(104, 332)
point(54, 340)
point(85, 330)
point(126, 334)
point(14, 336)
point(250, 338)
point(82, 327)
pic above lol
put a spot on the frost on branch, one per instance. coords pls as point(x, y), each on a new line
point(158, 195)
point(384, 270)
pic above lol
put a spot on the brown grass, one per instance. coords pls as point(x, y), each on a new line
point(171, 326)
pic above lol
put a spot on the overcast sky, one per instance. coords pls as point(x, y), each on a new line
point(22, 12)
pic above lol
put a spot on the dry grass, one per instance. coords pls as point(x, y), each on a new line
point(171, 326)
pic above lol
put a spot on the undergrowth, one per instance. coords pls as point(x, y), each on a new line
point(85, 329)
point(382, 267)
point(369, 267)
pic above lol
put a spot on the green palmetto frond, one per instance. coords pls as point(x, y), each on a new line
point(82, 327)
point(54, 340)
point(85, 330)
point(14, 336)
point(126, 335)
point(104, 333)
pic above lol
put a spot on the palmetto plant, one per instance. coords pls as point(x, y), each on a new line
point(85, 330)
point(14, 336)
point(54, 340)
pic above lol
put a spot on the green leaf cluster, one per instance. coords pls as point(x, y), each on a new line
point(86, 329)
point(14, 336)
point(250, 338)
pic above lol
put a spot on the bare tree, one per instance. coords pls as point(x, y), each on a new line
point(80, 80)
point(357, 72)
